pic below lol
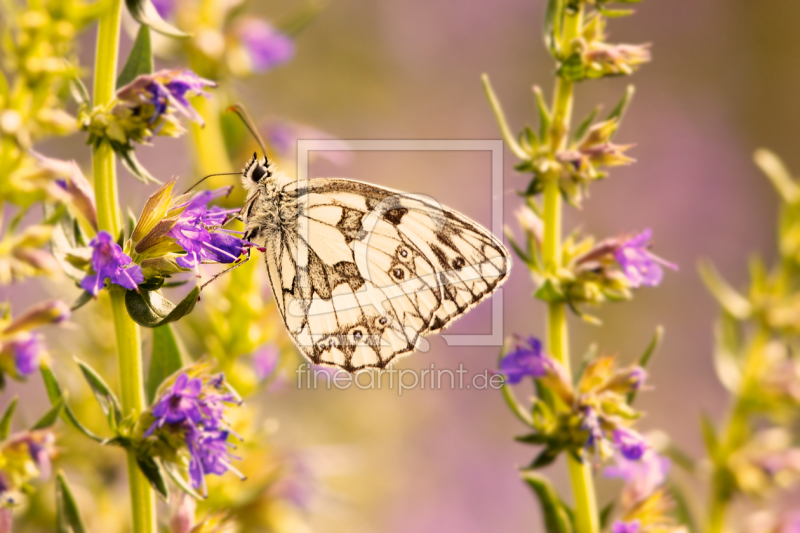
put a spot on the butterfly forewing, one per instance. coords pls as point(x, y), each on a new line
point(367, 271)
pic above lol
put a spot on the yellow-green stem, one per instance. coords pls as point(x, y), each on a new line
point(734, 434)
point(587, 519)
point(108, 213)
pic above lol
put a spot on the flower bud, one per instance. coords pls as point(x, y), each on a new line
point(53, 312)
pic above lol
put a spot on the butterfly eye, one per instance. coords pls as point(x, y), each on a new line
point(258, 173)
point(458, 263)
point(398, 273)
point(358, 335)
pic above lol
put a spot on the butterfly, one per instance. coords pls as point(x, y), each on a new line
point(361, 272)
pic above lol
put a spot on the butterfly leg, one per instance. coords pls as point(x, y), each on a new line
point(234, 267)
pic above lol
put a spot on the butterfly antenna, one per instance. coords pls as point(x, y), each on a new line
point(248, 122)
point(210, 176)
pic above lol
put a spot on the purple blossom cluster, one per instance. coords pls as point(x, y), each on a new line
point(195, 407)
point(200, 243)
point(111, 263)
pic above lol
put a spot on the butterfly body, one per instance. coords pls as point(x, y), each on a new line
point(361, 272)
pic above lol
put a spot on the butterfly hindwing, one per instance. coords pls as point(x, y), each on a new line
point(369, 271)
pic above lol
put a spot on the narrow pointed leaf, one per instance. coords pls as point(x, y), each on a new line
point(658, 336)
point(55, 394)
point(500, 116)
point(132, 165)
point(172, 472)
point(165, 360)
point(68, 519)
point(8, 415)
point(50, 416)
point(618, 113)
point(605, 515)
point(150, 309)
point(584, 126)
point(145, 13)
point(153, 472)
point(140, 58)
point(105, 396)
point(733, 302)
point(556, 519)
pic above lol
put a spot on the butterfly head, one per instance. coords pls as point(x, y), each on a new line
point(256, 171)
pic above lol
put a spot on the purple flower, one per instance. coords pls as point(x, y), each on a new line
point(626, 527)
point(166, 91)
point(192, 233)
point(26, 351)
point(210, 454)
point(196, 407)
point(182, 403)
point(642, 477)
point(631, 444)
point(265, 361)
point(526, 359)
point(640, 266)
point(108, 261)
point(266, 46)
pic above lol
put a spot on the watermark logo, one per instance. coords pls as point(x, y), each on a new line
point(315, 377)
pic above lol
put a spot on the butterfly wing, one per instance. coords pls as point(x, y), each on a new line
point(370, 270)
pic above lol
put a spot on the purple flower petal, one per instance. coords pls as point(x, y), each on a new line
point(526, 359)
point(109, 262)
point(639, 265)
point(267, 47)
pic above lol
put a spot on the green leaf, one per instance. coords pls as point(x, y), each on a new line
point(104, 395)
point(502, 123)
point(172, 472)
point(56, 395)
point(550, 24)
point(165, 361)
point(140, 58)
point(556, 518)
point(150, 309)
point(618, 113)
point(584, 126)
point(68, 519)
point(710, 437)
point(730, 300)
point(50, 416)
point(682, 508)
point(128, 158)
point(545, 118)
point(82, 300)
point(79, 91)
point(546, 457)
point(533, 438)
point(549, 292)
point(5, 422)
point(655, 342)
point(605, 514)
point(145, 13)
point(152, 471)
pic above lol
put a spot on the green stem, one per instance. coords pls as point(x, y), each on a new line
point(587, 519)
point(734, 434)
point(108, 214)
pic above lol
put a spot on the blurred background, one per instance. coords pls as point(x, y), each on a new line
point(723, 82)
